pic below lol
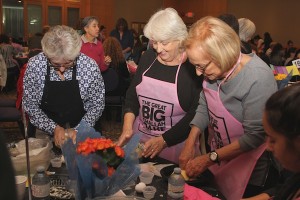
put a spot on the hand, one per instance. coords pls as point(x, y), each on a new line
point(107, 60)
point(59, 136)
point(197, 165)
point(187, 153)
point(71, 134)
point(154, 146)
point(125, 137)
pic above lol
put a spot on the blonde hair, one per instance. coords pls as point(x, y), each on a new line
point(166, 25)
point(247, 29)
point(61, 42)
point(217, 39)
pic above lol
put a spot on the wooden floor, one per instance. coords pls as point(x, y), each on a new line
point(110, 128)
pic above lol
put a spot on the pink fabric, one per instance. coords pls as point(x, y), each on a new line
point(192, 193)
point(231, 177)
point(159, 111)
point(95, 51)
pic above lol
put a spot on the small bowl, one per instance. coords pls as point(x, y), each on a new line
point(56, 162)
point(149, 192)
point(146, 177)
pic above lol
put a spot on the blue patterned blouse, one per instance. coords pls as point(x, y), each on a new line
point(91, 86)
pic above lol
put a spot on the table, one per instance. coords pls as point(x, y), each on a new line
point(160, 184)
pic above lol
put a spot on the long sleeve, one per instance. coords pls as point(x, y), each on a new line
point(91, 86)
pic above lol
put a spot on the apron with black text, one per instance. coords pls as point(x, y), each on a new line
point(231, 177)
point(159, 111)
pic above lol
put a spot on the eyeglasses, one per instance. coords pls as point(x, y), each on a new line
point(65, 65)
point(202, 68)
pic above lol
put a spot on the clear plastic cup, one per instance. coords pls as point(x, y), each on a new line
point(146, 177)
point(21, 186)
point(149, 192)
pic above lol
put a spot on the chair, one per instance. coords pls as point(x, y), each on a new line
point(114, 97)
point(9, 113)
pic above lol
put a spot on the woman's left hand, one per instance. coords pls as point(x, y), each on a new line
point(197, 165)
point(107, 60)
point(154, 146)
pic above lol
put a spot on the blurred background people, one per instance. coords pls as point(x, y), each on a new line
point(91, 46)
point(124, 35)
point(246, 31)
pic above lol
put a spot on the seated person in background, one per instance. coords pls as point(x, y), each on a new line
point(34, 42)
point(164, 93)
point(281, 122)
point(113, 49)
point(62, 86)
point(91, 46)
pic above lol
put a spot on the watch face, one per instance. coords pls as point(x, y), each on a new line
point(213, 156)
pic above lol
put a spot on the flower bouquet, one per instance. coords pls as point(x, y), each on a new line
point(283, 79)
point(96, 166)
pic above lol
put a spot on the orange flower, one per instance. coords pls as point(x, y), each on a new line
point(113, 155)
point(119, 151)
point(110, 171)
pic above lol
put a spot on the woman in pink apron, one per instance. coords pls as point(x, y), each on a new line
point(235, 89)
point(160, 101)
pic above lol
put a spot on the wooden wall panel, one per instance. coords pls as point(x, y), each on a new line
point(105, 11)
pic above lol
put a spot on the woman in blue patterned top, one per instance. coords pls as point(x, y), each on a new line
point(62, 86)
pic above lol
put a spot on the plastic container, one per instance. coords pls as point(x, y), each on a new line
point(56, 162)
point(176, 184)
point(40, 185)
point(146, 177)
point(20, 185)
point(149, 192)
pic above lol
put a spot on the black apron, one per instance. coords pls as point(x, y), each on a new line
point(61, 100)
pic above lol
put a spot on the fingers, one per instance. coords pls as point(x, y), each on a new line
point(153, 147)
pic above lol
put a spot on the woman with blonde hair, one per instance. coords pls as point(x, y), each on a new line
point(235, 89)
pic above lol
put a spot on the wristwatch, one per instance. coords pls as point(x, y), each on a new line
point(214, 157)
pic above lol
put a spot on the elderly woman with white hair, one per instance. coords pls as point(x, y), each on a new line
point(62, 86)
point(163, 95)
point(246, 31)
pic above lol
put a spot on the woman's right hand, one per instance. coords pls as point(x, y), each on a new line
point(188, 151)
point(127, 131)
point(125, 137)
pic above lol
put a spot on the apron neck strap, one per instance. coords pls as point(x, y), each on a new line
point(232, 70)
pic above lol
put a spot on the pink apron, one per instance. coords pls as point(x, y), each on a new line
point(231, 177)
point(159, 111)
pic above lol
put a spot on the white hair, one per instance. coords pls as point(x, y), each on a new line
point(166, 25)
point(247, 29)
point(61, 42)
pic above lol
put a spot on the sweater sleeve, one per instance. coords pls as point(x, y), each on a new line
point(189, 88)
